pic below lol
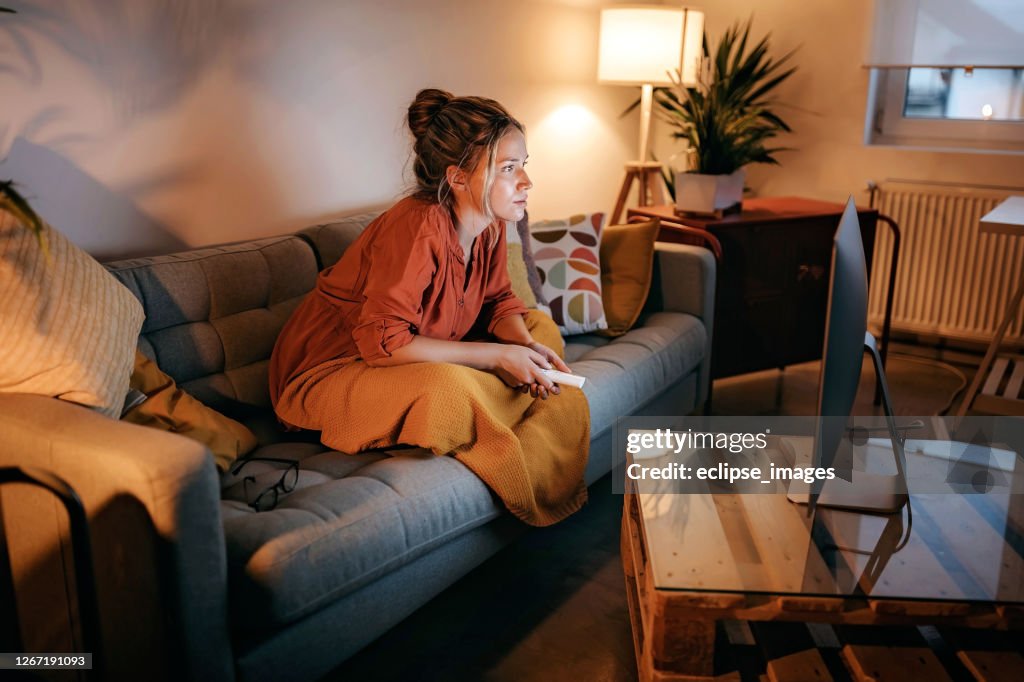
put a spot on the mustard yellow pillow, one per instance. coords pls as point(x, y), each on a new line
point(169, 408)
point(627, 263)
point(517, 268)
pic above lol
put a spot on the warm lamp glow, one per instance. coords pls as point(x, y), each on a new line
point(569, 120)
point(644, 44)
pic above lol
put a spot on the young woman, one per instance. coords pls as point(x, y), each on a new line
point(415, 337)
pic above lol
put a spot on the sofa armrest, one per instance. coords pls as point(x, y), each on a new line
point(153, 502)
point(684, 282)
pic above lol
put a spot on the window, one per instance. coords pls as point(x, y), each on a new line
point(955, 94)
point(947, 76)
point(947, 109)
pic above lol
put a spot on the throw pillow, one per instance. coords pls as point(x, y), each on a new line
point(523, 229)
point(627, 263)
point(67, 328)
point(169, 408)
point(568, 263)
point(517, 270)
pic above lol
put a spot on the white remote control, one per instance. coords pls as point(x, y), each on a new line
point(563, 378)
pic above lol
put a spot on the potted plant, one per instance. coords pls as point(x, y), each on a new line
point(15, 204)
point(727, 120)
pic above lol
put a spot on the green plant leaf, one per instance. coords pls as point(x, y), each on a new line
point(15, 204)
point(727, 118)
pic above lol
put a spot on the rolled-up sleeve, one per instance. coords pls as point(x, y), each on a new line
point(499, 301)
point(401, 268)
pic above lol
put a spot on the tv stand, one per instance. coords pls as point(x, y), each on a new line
point(867, 492)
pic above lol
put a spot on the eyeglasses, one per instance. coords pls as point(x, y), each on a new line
point(267, 498)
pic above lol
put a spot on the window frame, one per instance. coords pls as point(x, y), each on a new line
point(887, 126)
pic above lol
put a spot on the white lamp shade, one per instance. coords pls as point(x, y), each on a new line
point(938, 33)
point(644, 44)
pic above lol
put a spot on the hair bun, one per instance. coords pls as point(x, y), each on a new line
point(427, 105)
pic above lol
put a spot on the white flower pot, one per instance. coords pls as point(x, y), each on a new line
point(699, 193)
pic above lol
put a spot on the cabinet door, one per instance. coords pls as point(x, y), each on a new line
point(754, 315)
point(773, 286)
point(809, 281)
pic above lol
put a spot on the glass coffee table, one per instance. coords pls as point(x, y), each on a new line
point(693, 559)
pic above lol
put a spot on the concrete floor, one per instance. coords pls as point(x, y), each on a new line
point(552, 606)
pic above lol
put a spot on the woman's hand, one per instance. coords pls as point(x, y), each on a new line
point(552, 359)
point(520, 367)
point(549, 355)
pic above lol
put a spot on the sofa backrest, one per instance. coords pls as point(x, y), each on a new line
point(213, 314)
point(330, 240)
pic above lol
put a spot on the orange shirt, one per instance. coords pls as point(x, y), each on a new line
point(404, 275)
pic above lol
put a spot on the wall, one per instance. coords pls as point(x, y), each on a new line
point(826, 101)
point(160, 124)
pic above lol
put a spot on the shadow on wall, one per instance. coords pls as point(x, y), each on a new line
point(81, 207)
point(145, 54)
point(144, 57)
point(139, 62)
point(102, 76)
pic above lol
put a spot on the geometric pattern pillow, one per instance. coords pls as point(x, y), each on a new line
point(567, 254)
point(67, 328)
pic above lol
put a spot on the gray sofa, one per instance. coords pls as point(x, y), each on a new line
point(191, 582)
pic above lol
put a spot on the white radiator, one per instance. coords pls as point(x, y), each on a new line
point(952, 281)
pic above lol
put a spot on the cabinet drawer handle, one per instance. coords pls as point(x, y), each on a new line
point(804, 271)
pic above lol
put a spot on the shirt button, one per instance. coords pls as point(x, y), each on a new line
point(452, 335)
point(461, 301)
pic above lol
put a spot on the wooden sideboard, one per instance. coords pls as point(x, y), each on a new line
point(773, 277)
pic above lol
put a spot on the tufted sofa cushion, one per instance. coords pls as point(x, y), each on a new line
point(212, 315)
point(631, 370)
point(350, 520)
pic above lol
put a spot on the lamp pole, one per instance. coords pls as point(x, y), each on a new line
point(646, 101)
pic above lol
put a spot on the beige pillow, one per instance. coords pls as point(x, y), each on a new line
point(67, 328)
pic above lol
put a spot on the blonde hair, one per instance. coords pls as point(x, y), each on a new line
point(460, 132)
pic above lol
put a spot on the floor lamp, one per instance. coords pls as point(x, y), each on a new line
point(642, 45)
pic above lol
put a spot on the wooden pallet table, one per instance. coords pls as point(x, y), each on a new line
point(694, 560)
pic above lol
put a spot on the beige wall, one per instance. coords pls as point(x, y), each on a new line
point(187, 122)
point(172, 123)
point(827, 99)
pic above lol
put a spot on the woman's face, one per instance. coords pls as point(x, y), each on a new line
point(511, 183)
